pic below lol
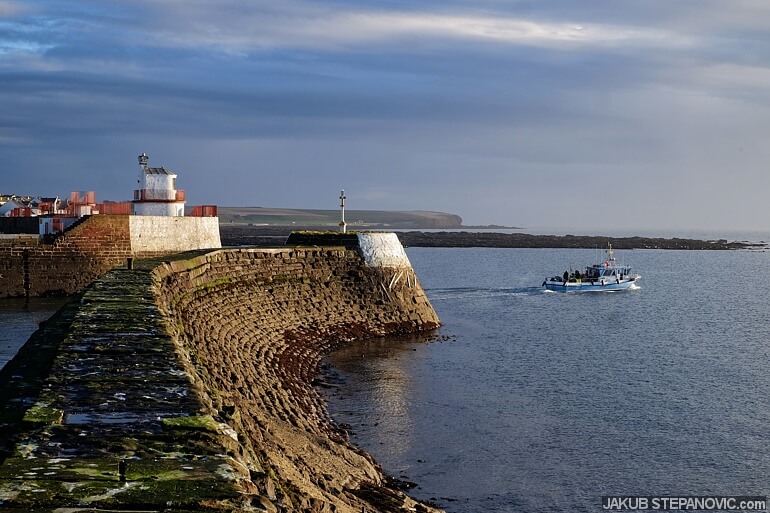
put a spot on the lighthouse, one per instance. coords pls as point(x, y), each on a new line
point(158, 195)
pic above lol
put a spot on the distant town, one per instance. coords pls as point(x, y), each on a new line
point(78, 203)
point(158, 196)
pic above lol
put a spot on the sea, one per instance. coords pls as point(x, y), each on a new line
point(19, 318)
point(533, 401)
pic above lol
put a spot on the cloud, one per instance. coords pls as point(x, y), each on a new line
point(408, 104)
point(312, 26)
point(10, 8)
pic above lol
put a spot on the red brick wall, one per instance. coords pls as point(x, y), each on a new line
point(72, 261)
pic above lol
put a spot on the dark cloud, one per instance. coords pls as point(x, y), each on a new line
point(480, 108)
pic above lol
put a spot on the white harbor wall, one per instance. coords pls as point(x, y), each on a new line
point(152, 235)
point(382, 250)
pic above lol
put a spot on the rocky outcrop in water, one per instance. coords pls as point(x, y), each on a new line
point(524, 240)
point(237, 235)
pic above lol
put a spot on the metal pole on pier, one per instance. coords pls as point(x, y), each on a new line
point(343, 224)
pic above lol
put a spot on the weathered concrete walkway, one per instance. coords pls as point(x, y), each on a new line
point(104, 385)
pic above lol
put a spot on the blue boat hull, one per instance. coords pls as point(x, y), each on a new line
point(586, 286)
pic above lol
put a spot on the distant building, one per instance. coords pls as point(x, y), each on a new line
point(82, 204)
point(158, 195)
point(27, 206)
point(48, 206)
point(14, 197)
point(7, 209)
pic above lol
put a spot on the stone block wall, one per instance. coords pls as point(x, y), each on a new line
point(69, 263)
point(252, 325)
point(13, 263)
point(187, 384)
point(92, 247)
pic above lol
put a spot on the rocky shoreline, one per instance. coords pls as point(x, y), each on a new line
point(245, 235)
point(524, 240)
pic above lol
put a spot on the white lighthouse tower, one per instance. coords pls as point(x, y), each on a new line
point(158, 195)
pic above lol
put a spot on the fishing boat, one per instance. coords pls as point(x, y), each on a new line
point(608, 275)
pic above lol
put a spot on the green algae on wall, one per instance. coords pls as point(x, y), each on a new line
point(112, 395)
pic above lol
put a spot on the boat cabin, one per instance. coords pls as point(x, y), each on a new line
point(598, 271)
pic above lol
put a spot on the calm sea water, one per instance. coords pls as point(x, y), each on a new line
point(533, 401)
point(19, 318)
point(541, 401)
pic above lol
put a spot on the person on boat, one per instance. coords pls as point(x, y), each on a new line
point(566, 276)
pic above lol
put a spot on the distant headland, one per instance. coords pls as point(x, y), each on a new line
point(258, 226)
point(329, 219)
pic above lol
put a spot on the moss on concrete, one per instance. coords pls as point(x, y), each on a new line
point(198, 422)
point(43, 412)
point(101, 383)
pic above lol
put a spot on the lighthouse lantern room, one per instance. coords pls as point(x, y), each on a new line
point(158, 195)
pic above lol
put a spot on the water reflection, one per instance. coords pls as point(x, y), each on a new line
point(377, 374)
point(20, 318)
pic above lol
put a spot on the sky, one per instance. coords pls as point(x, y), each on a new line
point(601, 114)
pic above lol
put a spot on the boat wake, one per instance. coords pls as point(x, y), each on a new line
point(472, 292)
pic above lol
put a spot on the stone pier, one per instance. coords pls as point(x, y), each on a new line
point(185, 384)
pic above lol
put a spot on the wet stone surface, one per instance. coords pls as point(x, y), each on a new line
point(100, 383)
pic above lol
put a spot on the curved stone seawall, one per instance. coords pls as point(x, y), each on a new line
point(186, 385)
point(252, 325)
